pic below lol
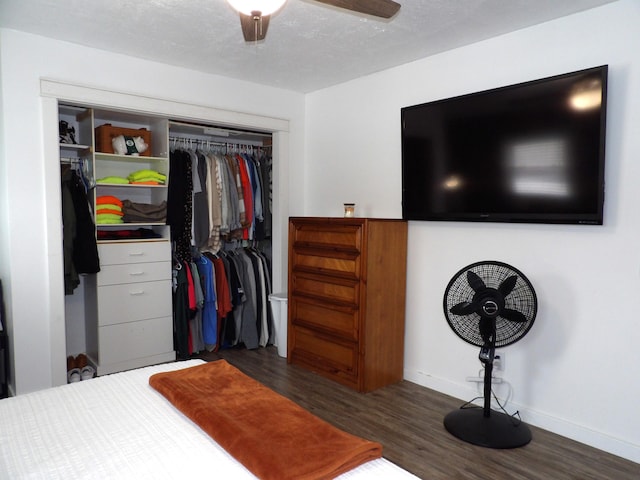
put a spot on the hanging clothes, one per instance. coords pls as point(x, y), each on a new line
point(181, 313)
point(223, 295)
point(256, 181)
point(218, 209)
point(222, 301)
point(195, 323)
point(80, 249)
point(201, 199)
point(266, 173)
point(247, 190)
point(233, 321)
point(180, 203)
point(209, 315)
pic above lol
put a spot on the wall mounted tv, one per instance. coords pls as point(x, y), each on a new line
point(531, 152)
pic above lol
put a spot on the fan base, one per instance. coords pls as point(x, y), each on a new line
point(495, 431)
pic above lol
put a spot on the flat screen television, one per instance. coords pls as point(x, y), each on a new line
point(532, 152)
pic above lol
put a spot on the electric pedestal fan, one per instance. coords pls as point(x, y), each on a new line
point(489, 304)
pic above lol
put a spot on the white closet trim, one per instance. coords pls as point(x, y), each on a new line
point(98, 97)
point(54, 91)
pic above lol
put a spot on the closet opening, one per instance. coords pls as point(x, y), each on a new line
point(180, 235)
point(220, 214)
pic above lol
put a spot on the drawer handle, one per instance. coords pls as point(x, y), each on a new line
point(135, 274)
point(136, 254)
point(138, 292)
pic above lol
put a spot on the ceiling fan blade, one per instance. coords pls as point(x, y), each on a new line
point(475, 281)
point(507, 285)
point(254, 27)
point(513, 315)
point(377, 8)
point(464, 308)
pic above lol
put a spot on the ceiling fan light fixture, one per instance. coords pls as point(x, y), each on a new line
point(260, 7)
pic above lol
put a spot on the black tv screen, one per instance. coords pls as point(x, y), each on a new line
point(531, 152)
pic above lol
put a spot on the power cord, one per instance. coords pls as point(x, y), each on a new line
point(513, 416)
point(517, 420)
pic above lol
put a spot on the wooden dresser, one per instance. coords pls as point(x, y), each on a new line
point(347, 279)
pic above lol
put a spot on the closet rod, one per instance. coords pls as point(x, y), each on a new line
point(71, 160)
point(200, 141)
point(235, 144)
point(217, 130)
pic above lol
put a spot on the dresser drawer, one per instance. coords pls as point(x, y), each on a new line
point(133, 301)
point(333, 289)
point(333, 319)
point(126, 341)
point(134, 252)
point(323, 354)
point(333, 235)
point(134, 273)
point(328, 262)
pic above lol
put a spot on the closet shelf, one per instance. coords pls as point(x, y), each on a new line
point(131, 240)
point(74, 146)
point(129, 185)
point(129, 158)
point(131, 224)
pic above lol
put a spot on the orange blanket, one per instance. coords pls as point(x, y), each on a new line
point(270, 435)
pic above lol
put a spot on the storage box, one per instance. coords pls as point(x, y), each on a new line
point(104, 134)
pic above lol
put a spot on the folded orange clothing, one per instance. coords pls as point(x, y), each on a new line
point(270, 435)
point(108, 199)
point(146, 182)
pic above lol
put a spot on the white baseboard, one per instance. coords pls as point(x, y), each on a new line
point(559, 426)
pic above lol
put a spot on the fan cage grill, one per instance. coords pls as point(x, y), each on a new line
point(522, 298)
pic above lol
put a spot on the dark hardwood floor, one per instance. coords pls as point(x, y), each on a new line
point(407, 420)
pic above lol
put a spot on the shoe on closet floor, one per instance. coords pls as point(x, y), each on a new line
point(81, 360)
point(71, 363)
point(87, 372)
point(74, 375)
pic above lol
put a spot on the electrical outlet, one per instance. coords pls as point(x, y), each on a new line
point(498, 361)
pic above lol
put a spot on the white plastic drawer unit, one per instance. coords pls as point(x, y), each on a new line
point(133, 340)
point(134, 282)
point(133, 301)
point(134, 273)
point(134, 252)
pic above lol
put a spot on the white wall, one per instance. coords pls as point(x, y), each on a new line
point(29, 206)
point(4, 205)
point(577, 371)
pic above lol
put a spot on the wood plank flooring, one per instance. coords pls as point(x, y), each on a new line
point(407, 420)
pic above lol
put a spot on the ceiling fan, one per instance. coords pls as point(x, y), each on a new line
point(255, 14)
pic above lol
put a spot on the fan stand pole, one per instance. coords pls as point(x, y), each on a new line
point(488, 375)
point(486, 427)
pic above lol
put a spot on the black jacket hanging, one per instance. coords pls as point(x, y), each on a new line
point(80, 247)
point(180, 203)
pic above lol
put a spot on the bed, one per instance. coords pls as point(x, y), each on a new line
point(118, 426)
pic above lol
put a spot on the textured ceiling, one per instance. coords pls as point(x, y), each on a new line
point(309, 46)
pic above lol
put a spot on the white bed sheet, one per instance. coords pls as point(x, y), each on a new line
point(117, 426)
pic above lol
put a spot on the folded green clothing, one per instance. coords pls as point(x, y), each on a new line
point(105, 221)
point(113, 179)
point(109, 206)
point(147, 174)
point(108, 218)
